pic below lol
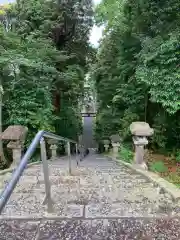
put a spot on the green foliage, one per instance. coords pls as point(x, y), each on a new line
point(103, 126)
point(106, 11)
point(126, 154)
point(137, 69)
point(159, 71)
point(158, 166)
point(69, 122)
point(27, 80)
point(43, 50)
point(177, 156)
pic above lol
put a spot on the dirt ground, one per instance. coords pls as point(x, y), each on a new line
point(173, 173)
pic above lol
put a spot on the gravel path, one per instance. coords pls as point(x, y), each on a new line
point(119, 229)
point(101, 200)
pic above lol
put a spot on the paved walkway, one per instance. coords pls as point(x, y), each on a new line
point(102, 201)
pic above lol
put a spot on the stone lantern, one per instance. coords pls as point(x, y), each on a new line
point(115, 140)
point(53, 147)
point(140, 132)
point(106, 145)
point(16, 135)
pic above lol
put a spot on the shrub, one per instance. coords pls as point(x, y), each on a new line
point(126, 154)
point(177, 156)
point(158, 166)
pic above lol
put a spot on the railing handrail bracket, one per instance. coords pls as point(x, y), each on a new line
point(38, 139)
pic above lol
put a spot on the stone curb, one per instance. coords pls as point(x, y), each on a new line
point(61, 218)
point(166, 186)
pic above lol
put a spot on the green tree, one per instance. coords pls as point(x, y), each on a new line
point(67, 24)
point(43, 61)
point(137, 72)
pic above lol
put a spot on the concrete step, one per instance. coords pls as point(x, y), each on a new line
point(93, 191)
point(97, 202)
point(58, 177)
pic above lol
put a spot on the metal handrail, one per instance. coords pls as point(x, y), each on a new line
point(39, 138)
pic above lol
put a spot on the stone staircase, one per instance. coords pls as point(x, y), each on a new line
point(101, 200)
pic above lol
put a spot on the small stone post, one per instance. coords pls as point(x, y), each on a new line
point(115, 148)
point(140, 132)
point(106, 145)
point(77, 157)
point(115, 139)
point(53, 147)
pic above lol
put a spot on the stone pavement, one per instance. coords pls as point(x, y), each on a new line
point(101, 200)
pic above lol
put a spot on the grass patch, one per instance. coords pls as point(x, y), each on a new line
point(126, 154)
point(158, 166)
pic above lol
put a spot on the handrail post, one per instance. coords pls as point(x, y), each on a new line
point(48, 199)
point(69, 157)
point(77, 160)
point(39, 138)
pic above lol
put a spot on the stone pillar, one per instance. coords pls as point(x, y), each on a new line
point(140, 143)
point(115, 140)
point(81, 150)
point(76, 149)
point(16, 151)
point(106, 147)
point(115, 149)
point(53, 148)
point(66, 148)
point(140, 132)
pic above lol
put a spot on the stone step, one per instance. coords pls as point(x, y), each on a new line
point(128, 182)
point(71, 202)
point(93, 191)
point(31, 205)
point(134, 209)
point(101, 229)
point(56, 174)
point(28, 183)
point(53, 168)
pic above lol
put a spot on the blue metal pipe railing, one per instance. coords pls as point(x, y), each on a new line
point(4, 197)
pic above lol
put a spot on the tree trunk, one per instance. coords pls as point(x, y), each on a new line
point(145, 107)
point(2, 157)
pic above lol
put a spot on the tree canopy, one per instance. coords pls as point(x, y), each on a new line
point(137, 69)
point(43, 62)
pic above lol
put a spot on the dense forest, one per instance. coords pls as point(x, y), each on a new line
point(44, 54)
point(137, 70)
